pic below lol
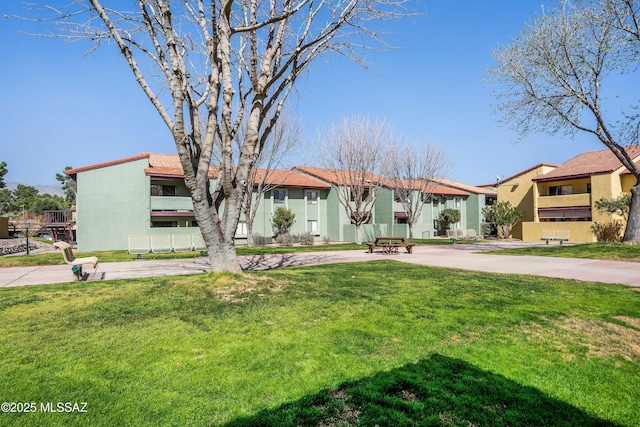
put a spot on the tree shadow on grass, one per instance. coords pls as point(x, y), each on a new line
point(439, 391)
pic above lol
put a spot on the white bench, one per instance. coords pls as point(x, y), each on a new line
point(555, 235)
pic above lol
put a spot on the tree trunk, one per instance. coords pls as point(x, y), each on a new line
point(632, 232)
point(221, 246)
point(411, 230)
point(358, 235)
point(249, 222)
point(224, 258)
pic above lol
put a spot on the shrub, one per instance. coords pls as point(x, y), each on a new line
point(284, 239)
point(258, 239)
point(307, 239)
point(326, 240)
point(449, 216)
point(282, 220)
point(607, 231)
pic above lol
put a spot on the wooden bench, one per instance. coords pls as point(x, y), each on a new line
point(390, 245)
point(75, 263)
point(555, 235)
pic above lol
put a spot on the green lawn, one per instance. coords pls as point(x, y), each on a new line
point(602, 250)
point(370, 343)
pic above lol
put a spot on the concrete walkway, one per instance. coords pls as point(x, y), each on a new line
point(460, 256)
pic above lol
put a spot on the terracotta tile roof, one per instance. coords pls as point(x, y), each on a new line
point(433, 188)
point(334, 176)
point(169, 165)
point(590, 163)
point(464, 187)
point(159, 165)
point(75, 171)
point(289, 178)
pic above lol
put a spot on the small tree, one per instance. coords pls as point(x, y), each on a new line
point(278, 144)
point(356, 151)
point(502, 216)
point(619, 205)
point(411, 171)
point(282, 220)
point(448, 216)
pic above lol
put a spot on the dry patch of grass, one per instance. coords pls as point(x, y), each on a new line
point(597, 338)
point(239, 288)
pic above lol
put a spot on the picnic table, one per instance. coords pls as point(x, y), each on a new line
point(390, 245)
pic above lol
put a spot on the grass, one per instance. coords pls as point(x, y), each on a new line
point(603, 250)
point(371, 343)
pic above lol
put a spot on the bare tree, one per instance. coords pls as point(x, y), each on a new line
point(204, 64)
point(265, 176)
point(551, 78)
point(411, 173)
point(356, 154)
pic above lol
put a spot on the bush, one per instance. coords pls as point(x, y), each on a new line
point(607, 231)
point(284, 239)
point(282, 220)
point(326, 240)
point(307, 239)
point(448, 216)
point(259, 240)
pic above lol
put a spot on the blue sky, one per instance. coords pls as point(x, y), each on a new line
point(61, 108)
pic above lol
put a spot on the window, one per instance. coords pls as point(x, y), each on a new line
point(589, 187)
point(560, 190)
point(365, 194)
point(241, 230)
point(312, 226)
point(458, 202)
point(163, 190)
point(312, 197)
point(279, 196)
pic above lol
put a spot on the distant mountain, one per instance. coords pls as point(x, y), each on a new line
point(53, 189)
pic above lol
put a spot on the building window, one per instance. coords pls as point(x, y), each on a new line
point(365, 195)
point(560, 190)
point(588, 187)
point(458, 202)
point(312, 197)
point(312, 226)
point(241, 230)
point(279, 196)
point(163, 190)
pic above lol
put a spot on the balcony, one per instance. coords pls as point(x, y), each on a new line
point(171, 203)
point(566, 200)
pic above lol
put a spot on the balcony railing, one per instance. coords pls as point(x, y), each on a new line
point(176, 203)
point(566, 200)
point(59, 218)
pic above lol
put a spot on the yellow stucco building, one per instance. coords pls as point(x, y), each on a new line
point(563, 196)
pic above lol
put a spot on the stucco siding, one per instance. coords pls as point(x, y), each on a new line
point(112, 203)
